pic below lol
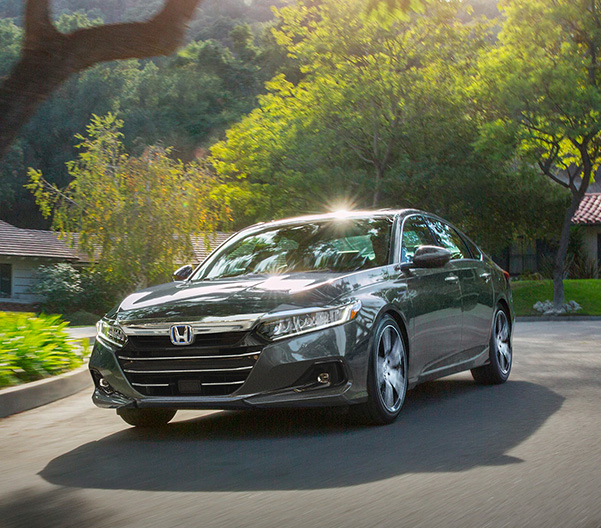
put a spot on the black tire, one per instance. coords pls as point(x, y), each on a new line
point(146, 417)
point(376, 410)
point(500, 352)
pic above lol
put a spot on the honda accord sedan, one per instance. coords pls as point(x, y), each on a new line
point(350, 309)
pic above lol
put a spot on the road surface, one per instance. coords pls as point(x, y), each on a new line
point(525, 454)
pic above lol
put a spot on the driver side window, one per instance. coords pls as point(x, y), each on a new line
point(416, 233)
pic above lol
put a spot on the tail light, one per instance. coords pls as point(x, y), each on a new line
point(506, 273)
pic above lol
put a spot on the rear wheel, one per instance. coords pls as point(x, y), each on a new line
point(501, 356)
point(387, 375)
point(146, 417)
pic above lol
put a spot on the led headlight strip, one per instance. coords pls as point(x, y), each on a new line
point(112, 333)
point(294, 323)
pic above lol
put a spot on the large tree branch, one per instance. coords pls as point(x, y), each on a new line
point(49, 58)
point(161, 35)
point(38, 26)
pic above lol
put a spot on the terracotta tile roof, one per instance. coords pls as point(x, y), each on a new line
point(17, 242)
point(214, 240)
point(589, 211)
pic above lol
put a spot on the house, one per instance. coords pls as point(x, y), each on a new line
point(203, 245)
point(588, 216)
point(525, 256)
point(23, 251)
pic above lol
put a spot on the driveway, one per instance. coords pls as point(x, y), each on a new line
point(525, 454)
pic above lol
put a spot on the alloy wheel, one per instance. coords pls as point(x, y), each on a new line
point(502, 343)
point(391, 369)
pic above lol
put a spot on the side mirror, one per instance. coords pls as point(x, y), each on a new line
point(431, 257)
point(183, 273)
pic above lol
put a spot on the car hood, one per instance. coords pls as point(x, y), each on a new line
point(191, 301)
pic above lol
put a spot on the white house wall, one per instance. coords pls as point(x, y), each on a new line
point(590, 242)
point(23, 277)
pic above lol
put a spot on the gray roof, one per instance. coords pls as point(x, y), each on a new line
point(17, 242)
point(213, 240)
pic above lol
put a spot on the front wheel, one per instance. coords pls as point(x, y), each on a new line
point(501, 356)
point(387, 375)
point(146, 417)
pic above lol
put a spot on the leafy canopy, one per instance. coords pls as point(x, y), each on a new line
point(133, 214)
point(540, 86)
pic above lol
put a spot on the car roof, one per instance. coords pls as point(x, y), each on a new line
point(391, 213)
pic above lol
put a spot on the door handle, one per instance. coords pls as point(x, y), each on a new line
point(485, 276)
point(452, 279)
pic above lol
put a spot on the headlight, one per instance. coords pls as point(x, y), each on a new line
point(111, 333)
point(295, 323)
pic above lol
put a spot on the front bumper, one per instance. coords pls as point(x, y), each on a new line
point(278, 378)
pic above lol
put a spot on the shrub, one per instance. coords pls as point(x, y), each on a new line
point(66, 290)
point(60, 286)
point(32, 348)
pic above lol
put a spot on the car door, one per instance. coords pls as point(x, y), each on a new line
point(436, 300)
point(478, 301)
point(476, 290)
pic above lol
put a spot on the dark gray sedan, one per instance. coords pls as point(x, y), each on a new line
point(346, 309)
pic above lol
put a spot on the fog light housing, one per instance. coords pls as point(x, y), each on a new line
point(101, 383)
point(322, 375)
point(323, 378)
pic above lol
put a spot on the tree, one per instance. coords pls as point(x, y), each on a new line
point(134, 215)
point(382, 118)
point(49, 57)
point(541, 94)
point(366, 87)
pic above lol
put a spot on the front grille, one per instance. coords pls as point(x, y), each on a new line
point(214, 365)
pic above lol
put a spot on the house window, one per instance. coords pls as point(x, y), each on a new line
point(599, 249)
point(6, 280)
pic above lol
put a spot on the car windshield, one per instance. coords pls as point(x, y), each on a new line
point(341, 245)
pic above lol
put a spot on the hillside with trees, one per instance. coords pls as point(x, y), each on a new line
point(185, 101)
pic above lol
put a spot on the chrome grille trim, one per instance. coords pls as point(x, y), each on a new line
point(185, 371)
point(226, 383)
point(168, 358)
point(205, 325)
point(150, 384)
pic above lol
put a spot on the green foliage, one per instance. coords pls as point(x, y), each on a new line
point(32, 348)
point(382, 117)
point(66, 290)
point(186, 100)
point(540, 86)
point(10, 44)
point(134, 214)
point(60, 285)
point(541, 98)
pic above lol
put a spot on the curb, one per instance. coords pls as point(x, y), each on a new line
point(555, 318)
point(37, 393)
point(28, 396)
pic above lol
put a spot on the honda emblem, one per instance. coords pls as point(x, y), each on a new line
point(181, 334)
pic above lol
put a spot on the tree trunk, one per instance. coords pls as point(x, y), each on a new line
point(376, 197)
point(33, 79)
point(562, 251)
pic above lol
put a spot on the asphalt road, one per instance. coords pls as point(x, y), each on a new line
point(525, 454)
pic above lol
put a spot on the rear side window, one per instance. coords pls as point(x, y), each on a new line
point(415, 234)
point(476, 253)
point(449, 239)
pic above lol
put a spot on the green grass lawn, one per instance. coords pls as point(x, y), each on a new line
point(587, 293)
